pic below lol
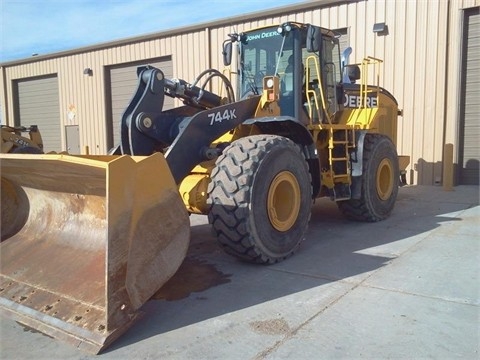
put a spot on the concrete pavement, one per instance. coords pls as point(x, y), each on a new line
point(407, 288)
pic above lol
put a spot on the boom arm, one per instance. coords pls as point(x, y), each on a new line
point(186, 132)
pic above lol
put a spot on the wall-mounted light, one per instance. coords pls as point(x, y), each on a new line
point(380, 29)
point(87, 72)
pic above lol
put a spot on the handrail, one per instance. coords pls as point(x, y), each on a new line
point(311, 92)
point(364, 91)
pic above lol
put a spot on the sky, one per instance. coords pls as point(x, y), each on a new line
point(42, 27)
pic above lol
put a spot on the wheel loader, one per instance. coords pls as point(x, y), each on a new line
point(86, 240)
point(15, 141)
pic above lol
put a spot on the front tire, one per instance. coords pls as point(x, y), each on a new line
point(260, 195)
point(380, 181)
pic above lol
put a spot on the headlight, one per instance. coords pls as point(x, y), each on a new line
point(285, 27)
point(270, 83)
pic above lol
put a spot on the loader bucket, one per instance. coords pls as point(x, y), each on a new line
point(86, 240)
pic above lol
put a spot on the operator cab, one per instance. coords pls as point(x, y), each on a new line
point(305, 58)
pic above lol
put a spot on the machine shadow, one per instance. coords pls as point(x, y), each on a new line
point(210, 283)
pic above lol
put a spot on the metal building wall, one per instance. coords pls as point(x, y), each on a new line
point(82, 98)
point(421, 53)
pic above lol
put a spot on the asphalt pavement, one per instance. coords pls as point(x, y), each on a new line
point(404, 288)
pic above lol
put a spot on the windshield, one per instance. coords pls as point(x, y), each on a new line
point(264, 52)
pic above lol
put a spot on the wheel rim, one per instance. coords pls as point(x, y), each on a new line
point(283, 201)
point(385, 179)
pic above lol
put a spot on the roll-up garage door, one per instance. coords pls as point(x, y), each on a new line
point(470, 152)
point(123, 83)
point(37, 103)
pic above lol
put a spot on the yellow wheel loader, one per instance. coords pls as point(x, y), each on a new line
point(86, 240)
point(14, 141)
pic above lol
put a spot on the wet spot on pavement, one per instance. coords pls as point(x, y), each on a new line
point(194, 275)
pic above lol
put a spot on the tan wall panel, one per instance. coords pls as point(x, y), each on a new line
point(84, 95)
point(412, 55)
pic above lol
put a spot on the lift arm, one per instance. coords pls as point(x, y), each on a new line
point(184, 133)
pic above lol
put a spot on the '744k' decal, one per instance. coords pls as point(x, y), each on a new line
point(218, 116)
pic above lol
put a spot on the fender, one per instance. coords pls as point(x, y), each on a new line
point(293, 129)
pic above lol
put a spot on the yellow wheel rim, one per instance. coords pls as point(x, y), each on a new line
point(283, 201)
point(385, 179)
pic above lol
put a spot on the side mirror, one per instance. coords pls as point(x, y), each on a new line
point(346, 56)
point(314, 39)
point(227, 53)
point(345, 62)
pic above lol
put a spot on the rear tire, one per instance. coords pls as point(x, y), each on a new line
point(380, 181)
point(260, 195)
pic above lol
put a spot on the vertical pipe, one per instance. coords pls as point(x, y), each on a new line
point(4, 115)
point(448, 167)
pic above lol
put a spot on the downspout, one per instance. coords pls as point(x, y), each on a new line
point(4, 117)
point(208, 38)
point(456, 136)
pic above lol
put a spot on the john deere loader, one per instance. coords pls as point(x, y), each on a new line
point(86, 240)
point(15, 140)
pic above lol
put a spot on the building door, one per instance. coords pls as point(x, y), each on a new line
point(37, 103)
point(469, 158)
point(72, 137)
point(123, 83)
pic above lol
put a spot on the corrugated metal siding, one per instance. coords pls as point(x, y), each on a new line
point(470, 158)
point(37, 104)
point(86, 94)
point(407, 72)
point(422, 68)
